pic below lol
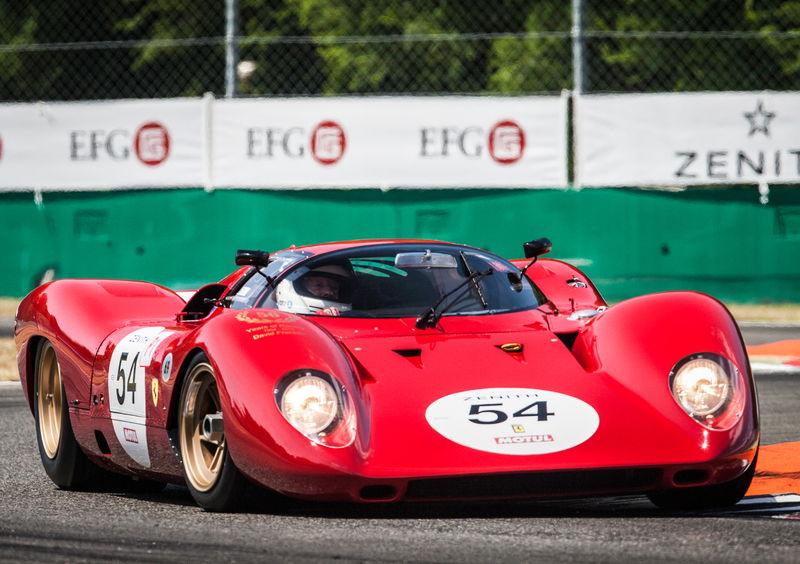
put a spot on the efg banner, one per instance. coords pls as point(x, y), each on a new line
point(101, 145)
point(687, 139)
point(392, 142)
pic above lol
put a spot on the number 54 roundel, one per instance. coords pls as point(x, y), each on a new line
point(513, 420)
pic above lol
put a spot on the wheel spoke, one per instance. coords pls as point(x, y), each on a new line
point(210, 443)
point(49, 401)
point(202, 457)
point(216, 460)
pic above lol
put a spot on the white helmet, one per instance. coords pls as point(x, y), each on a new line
point(324, 290)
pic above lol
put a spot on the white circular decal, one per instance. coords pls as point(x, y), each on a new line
point(513, 420)
point(166, 367)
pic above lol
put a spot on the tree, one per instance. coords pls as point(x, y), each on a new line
point(85, 49)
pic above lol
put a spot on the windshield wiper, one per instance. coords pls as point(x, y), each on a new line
point(475, 284)
point(430, 317)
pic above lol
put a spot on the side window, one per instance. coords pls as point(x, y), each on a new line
point(249, 293)
point(252, 291)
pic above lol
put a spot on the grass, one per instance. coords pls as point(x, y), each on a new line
point(772, 312)
point(8, 307)
point(8, 361)
point(742, 312)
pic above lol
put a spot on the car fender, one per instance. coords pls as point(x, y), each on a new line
point(565, 286)
point(250, 351)
point(634, 345)
point(76, 316)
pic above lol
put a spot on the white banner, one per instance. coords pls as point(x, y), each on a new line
point(687, 139)
point(100, 145)
point(404, 142)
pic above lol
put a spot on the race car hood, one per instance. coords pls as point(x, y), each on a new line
point(442, 403)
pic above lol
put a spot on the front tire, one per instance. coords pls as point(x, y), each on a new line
point(62, 458)
point(213, 479)
point(706, 497)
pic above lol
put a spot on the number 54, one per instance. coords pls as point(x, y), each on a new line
point(537, 409)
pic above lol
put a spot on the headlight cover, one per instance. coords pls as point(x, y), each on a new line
point(708, 387)
point(317, 405)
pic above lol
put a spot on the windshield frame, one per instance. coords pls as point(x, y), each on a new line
point(267, 299)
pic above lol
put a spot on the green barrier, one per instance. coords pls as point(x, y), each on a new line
point(721, 241)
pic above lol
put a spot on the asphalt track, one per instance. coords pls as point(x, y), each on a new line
point(41, 523)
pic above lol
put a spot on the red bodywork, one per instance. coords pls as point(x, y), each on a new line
point(617, 362)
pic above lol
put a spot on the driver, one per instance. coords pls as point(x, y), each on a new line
point(324, 290)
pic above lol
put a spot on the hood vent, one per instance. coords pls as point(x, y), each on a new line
point(408, 352)
point(412, 355)
point(568, 338)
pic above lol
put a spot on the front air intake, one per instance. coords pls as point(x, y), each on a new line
point(378, 493)
point(690, 477)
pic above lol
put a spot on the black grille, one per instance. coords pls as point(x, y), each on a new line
point(539, 484)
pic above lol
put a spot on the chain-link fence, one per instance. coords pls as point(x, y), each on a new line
point(95, 49)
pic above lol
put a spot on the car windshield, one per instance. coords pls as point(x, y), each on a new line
point(402, 280)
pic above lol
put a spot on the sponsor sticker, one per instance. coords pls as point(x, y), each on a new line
point(268, 324)
point(130, 435)
point(166, 367)
point(518, 421)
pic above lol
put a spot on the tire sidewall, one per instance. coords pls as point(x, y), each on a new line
point(228, 491)
point(67, 468)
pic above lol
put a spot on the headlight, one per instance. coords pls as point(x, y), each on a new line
point(707, 387)
point(318, 406)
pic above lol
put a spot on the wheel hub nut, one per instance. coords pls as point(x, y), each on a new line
point(213, 427)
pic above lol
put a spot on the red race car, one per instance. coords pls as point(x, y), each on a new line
point(379, 371)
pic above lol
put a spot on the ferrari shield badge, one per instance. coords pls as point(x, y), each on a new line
point(154, 389)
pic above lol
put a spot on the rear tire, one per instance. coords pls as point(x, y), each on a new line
point(62, 458)
point(706, 497)
point(211, 475)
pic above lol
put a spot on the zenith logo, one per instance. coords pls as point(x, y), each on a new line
point(757, 159)
point(759, 120)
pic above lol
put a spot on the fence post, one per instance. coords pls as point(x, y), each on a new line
point(231, 46)
point(578, 57)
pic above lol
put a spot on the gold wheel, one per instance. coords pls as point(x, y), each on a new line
point(49, 400)
point(203, 455)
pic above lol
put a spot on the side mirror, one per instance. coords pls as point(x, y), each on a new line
point(252, 258)
point(537, 247)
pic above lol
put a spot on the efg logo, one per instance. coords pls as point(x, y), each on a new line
point(150, 144)
point(745, 162)
point(326, 144)
point(505, 142)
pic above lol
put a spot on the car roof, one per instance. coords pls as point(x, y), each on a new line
point(323, 248)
